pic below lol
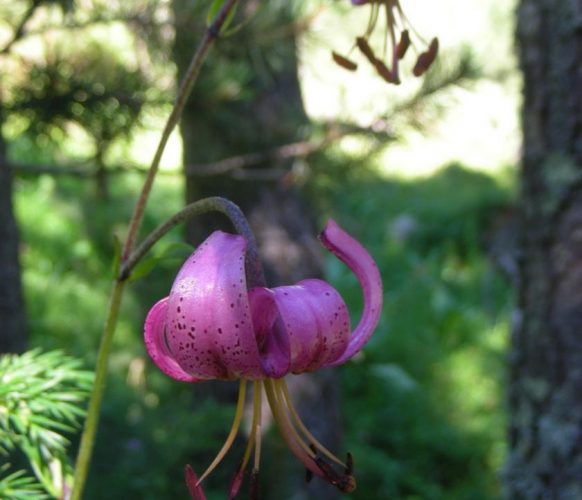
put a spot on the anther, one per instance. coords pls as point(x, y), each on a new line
point(365, 48)
point(344, 482)
point(344, 62)
point(403, 44)
point(425, 59)
point(349, 464)
point(254, 486)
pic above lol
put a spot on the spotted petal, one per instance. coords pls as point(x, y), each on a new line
point(156, 345)
point(209, 331)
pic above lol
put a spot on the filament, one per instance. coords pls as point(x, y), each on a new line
point(233, 431)
point(293, 440)
point(299, 423)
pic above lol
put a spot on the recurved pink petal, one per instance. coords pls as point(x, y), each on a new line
point(316, 321)
point(156, 345)
point(209, 324)
point(356, 257)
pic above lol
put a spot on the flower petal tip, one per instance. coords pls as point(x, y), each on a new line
point(357, 258)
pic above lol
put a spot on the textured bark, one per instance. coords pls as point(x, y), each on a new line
point(545, 395)
point(214, 129)
point(12, 317)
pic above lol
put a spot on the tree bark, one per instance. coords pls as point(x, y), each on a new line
point(212, 130)
point(12, 315)
point(545, 394)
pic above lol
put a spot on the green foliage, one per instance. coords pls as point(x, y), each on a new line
point(19, 486)
point(41, 398)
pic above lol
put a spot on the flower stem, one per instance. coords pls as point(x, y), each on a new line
point(216, 204)
point(92, 420)
point(90, 428)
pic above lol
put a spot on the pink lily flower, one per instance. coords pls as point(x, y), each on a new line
point(212, 327)
point(398, 37)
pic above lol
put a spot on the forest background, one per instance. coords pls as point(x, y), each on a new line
point(424, 174)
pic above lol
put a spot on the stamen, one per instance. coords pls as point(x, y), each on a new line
point(299, 423)
point(288, 432)
point(233, 431)
point(255, 431)
point(281, 403)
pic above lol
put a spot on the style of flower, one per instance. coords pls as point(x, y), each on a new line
point(397, 39)
point(212, 327)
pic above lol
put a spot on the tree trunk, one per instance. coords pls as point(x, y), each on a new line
point(545, 394)
point(12, 317)
point(213, 129)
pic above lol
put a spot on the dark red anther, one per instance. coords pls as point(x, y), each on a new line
point(425, 59)
point(344, 482)
point(365, 48)
point(349, 464)
point(403, 44)
point(344, 62)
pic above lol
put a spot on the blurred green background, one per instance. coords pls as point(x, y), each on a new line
point(427, 188)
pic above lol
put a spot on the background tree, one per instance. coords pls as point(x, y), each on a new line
point(12, 313)
point(545, 394)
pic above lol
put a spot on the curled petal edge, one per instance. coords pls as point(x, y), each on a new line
point(357, 258)
point(154, 338)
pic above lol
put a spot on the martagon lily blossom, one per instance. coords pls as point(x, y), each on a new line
point(212, 326)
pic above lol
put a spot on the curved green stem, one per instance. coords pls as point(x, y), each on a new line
point(212, 204)
point(91, 423)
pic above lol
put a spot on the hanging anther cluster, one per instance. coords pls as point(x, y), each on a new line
point(399, 36)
